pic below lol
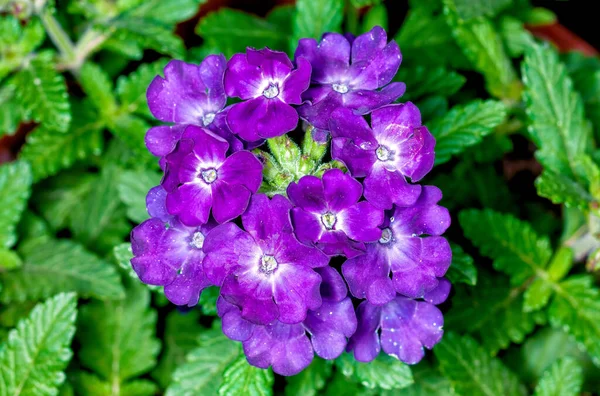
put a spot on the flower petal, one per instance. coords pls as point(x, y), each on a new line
point(296, 82)
point(384, 188)
point(296, 289)
point(229, 200)
point(330, 58)
point(425, 217)
point(341, 191)
point(364, 343)
point(232, 323)
point(253, 295)
point(242, 168)
point(267, 217)
point(329, 326)
point(364, 101)
point(191, 202)
point(440, 293)
point(361, 222)
point(156, 203)
point(243, 79)
point(307, 226)
point(308, 194)
point(368, 275)
point(161, 140)
point(374, 63)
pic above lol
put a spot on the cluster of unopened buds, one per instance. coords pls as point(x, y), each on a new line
point(319, 247)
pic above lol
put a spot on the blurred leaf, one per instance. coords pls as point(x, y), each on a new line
point(563, 189)
point(91, 385)
point(515, 247)
point(376, 16)
point(98, 87)
point(59, 265)
point(462, 269)
point(585, 72)
point(131, 89)
point(230, 31)
point(313, 18)
point(148, 33)
point(469, 9)
point(181, 335)
point(50, 151)
point(10, 109)
point(208, 300)
point(16, 41)
point(493, 311)
point(130, 130)
point(37, 351)
point(482, 45)
point(385, 372)
point(202, 373)
point(42, 93)
point(465, 126)
point(428, 382)
point(564, 378)
point(425, 81)
point(576, 308)
point(556, 121)
point(98, 220)
point(15, 189)
point(133, 187)
point(9, 260)
point(516, 38)
point(117, 338)
point(311, 380)
point(472, 371)
point(170, 12)
point(240, 378)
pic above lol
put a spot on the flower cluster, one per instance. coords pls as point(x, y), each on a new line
point(284, 294)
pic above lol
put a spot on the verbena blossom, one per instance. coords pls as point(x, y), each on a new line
point(410, 248)
point(268, 83)
point(200, 177)
point(265, 270)
point(349, 73)
point(188, 95)
point(328, 213)
point(289, 348)
point(168, 253)
point(402, 327)
point(215, 222)
point(396, 147)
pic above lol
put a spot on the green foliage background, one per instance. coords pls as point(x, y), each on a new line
point(524, 316)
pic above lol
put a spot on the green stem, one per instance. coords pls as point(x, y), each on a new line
point(58, 36)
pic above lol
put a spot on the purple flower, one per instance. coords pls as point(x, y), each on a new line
point(328, 213)
point(287, 347)
point(199, 177)
point(170, 255)
point(348, 73)
point(395, 148)
point(406, 327)
point(267, 83)
point(188, 95)
point(264, 270)
point(416, 260)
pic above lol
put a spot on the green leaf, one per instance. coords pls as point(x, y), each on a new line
point(202, 374)
point(513, 244)
point(59, 265)
point(462, 269)
point(313, 18)
point(9, 260)
point(91, 385)
point(310, 380)
point(516, 37)
point(133, 187)
point(16, 41)
point(208, 300)
point(131, 130)
point(98, 87)
point(42, 93)
point(587, 82)
point(425, 36)
point(10, 109)
point(561, 189)
point(428, 382)
point(465, 126)
point(576, 308)
point(98, 220)
point(556, 121)
point(240, 378)
point(482, 45)
point(469, 9)
point(49, 151)
point(230, 31)
point(117, 339)
point(561, 263)
point(148, 33)
point(131, 89)
point(181, 334)
point(123, 254)
point(493, 311)
point(537, 295)
point(564, 378)
point(376, 16)
point(425, 81)
point(168, 13)
point(56, 198)
point(37, 351)
point(385, 372)
point(15, 189)
point(472, 371)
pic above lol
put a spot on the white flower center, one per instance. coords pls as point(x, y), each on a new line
point(209, 175)
point(208, 119)
point(328, 219)
point(197, 240)
point(271, 92)
point(386, 236)
point(268, 264)
point(341, 88)
point(383, 153)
